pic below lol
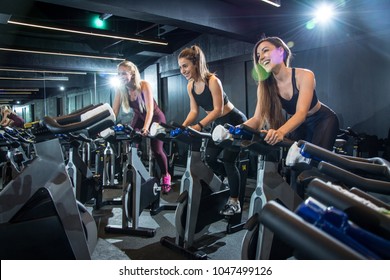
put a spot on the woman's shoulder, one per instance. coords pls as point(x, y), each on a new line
point(144, 84)
point(303, 72)
point(190, 84)
point(213, 77)
point(214, 80)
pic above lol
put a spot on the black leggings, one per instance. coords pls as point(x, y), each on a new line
point(321, 128)
point(229, 167)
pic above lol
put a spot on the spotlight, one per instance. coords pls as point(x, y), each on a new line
point(115, 82)
point(100, 21)
point(324, 13)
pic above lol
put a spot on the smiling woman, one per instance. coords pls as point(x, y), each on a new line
point(205, 90)
point(291, 89)
point(136, 94)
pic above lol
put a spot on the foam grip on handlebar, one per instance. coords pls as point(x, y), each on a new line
point(89, 114)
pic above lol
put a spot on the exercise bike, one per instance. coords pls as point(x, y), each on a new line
point(202, 195)
point(140, 189)
point(39, 215)
point(259, 243)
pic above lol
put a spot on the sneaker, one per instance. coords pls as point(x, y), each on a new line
point(294, 156)
point(220, 134)
point(166, 184)
point(231, 208)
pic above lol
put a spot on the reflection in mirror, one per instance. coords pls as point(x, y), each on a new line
point(34, 94)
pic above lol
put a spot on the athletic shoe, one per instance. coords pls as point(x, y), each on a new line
point(220, 133)
point(166, 184)
point(231, 208)
point(294, 156)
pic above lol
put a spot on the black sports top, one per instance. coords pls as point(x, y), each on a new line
point(205, 99)
point(291, 105)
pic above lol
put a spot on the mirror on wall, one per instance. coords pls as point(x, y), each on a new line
point(34, 95)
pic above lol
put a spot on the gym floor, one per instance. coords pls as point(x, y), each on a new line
point(216, 243)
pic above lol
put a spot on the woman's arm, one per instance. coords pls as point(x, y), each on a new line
point(116, 104)
point(146, 89)
point(194, 108)
point(5, 121)
point(255, 121)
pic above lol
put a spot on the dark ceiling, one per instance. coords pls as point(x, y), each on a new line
point(176, 22)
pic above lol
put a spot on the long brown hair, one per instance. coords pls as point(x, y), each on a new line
point(197, 57)
point(268, 92)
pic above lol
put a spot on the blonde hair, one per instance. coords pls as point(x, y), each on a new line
point(197, 57)
point(134, 84)
point(268, 92)
point(5, 108)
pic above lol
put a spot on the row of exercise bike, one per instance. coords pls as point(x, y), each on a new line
point(335, 207)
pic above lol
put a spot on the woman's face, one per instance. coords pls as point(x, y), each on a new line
point(124, 75)
point(187, 68)
point(269, 55)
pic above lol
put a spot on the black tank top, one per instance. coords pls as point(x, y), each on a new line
point(205, 99)
point(291, 105)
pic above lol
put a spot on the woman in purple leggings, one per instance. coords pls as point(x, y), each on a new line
point(137, 94)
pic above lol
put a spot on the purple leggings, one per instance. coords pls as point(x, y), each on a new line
point(155, 144)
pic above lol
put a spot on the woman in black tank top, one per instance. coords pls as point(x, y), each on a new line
point(205, 90)
point(281, 87)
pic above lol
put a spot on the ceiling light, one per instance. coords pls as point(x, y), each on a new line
point(117, 37)
point(275, 3)
point(41, 71)
point(36, 79)
point(15, 92)
point(18, 89)
point(61, 54)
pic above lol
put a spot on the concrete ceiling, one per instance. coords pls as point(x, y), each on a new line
point(176, 22)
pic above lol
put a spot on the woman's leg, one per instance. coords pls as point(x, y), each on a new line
point(325, 127)
point(326, 132)
point(157, 147)
point(235, 117)
point(160, 156)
